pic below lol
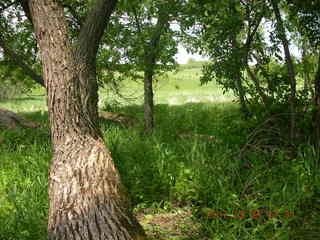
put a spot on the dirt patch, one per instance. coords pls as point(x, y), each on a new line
point(174, 225)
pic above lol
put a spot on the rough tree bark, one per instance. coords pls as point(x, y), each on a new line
point(291, 72)
point(87, 199)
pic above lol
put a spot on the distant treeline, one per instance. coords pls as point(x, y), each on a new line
point(192, 64)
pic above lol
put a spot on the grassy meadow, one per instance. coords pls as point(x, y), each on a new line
point(199, 175)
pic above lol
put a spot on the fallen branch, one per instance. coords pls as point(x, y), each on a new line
point(12, 120)
point(124, 120)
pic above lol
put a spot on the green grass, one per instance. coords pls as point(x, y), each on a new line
point(23, 183)
point(31, 102)
point(194, 158)
point(174, 88)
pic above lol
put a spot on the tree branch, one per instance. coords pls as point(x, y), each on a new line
point(94, 27)
point(163, 20)
point(19, 61)
point(5, 7)
point(78, 19)
point(26, 9)
point(137, 21)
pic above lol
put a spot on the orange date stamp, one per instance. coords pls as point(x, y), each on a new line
point(254, 214)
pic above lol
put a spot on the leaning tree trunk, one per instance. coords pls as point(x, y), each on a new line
point(290, 67)
point(87, 199)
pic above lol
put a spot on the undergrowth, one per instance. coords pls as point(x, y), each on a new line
point(203, 156)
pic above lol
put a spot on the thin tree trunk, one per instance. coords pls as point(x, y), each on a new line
point(306, 71)
point(87, 199)
point(148, 100)
point(252, 30)
point(238, 83)
point(305, 64)
point(316, 116)
point(241, 93)
point(151, 52)
point(270, 85)
point(291, 73)
point(236, 61)
point(255, 80)
point(149, 61)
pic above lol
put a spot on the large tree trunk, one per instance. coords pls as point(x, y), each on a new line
point(291, 73)
point(87, 199)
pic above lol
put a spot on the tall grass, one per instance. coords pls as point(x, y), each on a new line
point(195, 157)
point(24, 157)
